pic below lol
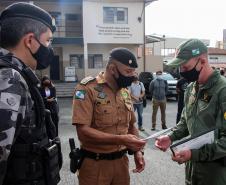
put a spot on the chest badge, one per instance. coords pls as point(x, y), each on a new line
point(102, 95)
point(206, 97)
point(124, 95)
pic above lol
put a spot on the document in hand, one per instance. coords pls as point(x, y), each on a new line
point(194, 142)
point(157, 134)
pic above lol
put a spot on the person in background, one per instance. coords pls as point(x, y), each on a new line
point(137, 91)
point(158, 88)
point(181, 86)
point(222, 71)
point(48, 92)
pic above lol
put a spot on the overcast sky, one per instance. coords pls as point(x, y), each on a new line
point(204, 19)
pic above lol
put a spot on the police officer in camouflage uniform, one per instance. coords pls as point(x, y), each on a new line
point(25, 34)
point(205, 109)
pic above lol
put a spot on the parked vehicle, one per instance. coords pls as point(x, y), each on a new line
point(172, 83)
point(146, 78)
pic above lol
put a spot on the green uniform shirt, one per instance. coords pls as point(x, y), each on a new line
point(205, 108)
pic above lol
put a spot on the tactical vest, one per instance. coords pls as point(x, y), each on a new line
point(35, 157)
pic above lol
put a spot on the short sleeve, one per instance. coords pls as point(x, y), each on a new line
point(133, 118)
point(82, 107)
point(142, 87)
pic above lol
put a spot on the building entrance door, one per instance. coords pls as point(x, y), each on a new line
point(55, 68)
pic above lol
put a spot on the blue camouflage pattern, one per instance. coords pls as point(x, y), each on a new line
point(15, 107)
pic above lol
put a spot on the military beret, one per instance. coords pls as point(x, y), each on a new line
point(124, 56)
point(31, 11)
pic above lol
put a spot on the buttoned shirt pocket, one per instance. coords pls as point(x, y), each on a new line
point(103, 115)
point(124, 112)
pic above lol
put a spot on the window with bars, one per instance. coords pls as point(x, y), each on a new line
point(95, 61)
point(77, 61)
point(115, 15)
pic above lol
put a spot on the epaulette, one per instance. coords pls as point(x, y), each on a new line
point(87, 80)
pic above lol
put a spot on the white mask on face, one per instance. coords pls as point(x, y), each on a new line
point(158, 76)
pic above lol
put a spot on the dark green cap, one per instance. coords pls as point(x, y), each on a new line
point(187, 50)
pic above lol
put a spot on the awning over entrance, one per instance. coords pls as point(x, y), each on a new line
point(152, 39)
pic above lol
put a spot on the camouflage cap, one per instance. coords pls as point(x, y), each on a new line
point(187, 50)
point(28, 10)
point(124, 56)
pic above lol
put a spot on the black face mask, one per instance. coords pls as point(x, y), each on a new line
point(124, 81)
point(191, 75)
point(43, 56)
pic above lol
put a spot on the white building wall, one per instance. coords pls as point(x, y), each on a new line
point(96, 31)
point(214, 59)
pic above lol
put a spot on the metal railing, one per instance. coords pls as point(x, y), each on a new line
point(65, 28)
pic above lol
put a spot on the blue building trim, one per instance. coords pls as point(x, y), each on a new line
point(66, 40)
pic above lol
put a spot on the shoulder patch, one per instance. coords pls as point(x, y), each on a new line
point(80, 94)
point(87, 80)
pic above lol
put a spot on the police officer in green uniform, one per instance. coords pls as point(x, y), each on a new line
point(205, 108)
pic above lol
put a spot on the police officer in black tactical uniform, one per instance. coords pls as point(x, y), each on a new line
point(29, 152)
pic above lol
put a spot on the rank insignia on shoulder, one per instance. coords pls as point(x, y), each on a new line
point(80, 94)
point(225, 116)
point(87, 80)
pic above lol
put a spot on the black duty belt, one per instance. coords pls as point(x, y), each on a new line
point(103, 156)
point(221, 161)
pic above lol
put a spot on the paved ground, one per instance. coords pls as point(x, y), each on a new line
point(160, 169)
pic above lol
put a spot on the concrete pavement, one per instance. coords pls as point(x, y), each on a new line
point(160, 169)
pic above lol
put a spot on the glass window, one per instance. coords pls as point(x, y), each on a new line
point(115, 15)
point(73, 25)
point(109, 15)
point(168, 52)
point(95, 61)
point(77, 61)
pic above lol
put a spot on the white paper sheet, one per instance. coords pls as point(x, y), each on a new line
point(155, 135)
point(196, 142)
